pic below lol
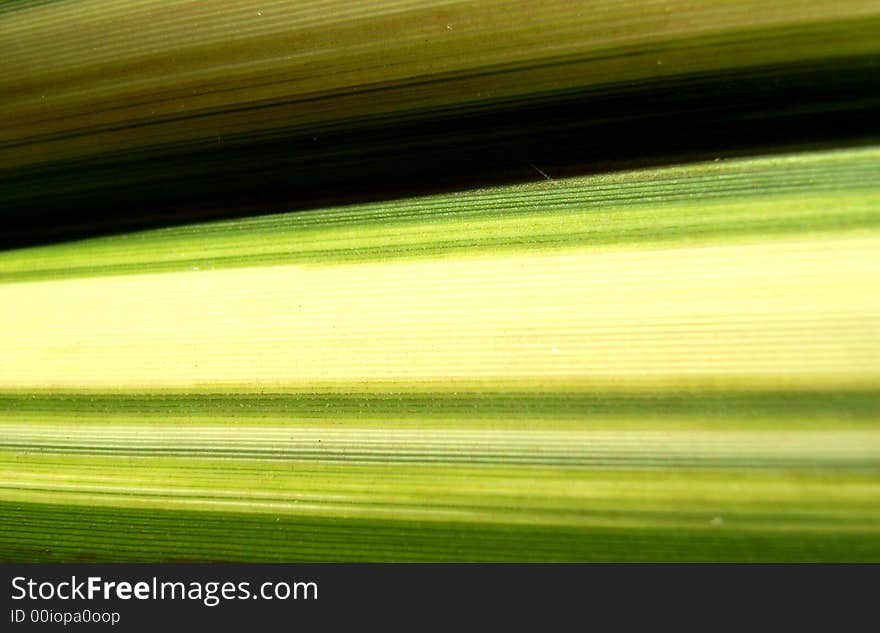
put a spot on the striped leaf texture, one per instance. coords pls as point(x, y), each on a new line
point(677, 363)
point(442, 280)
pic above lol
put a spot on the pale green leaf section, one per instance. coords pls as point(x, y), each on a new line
point(668, 364)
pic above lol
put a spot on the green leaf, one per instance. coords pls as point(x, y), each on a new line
point(666, 364)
